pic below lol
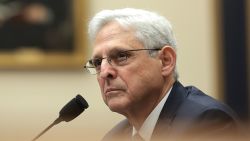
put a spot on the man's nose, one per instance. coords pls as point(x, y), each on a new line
point(107, 70)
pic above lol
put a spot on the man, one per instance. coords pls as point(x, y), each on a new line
point(134, 58)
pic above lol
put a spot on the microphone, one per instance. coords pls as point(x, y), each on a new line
point(70, 111)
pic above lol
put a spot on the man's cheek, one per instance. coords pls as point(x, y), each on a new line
point(101, 84)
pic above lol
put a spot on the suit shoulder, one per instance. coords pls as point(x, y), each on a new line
point(199, 102)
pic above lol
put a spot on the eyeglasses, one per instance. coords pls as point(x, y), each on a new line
point(118, 58)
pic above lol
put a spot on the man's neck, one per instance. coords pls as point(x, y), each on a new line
point(147, 128)
point(137, 116)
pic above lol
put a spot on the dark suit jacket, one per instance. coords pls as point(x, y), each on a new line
point(188, 112)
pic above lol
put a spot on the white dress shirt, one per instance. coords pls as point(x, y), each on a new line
point(148, 125)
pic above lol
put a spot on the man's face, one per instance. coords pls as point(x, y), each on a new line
point(133, 85)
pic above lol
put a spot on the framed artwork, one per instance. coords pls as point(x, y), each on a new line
point(42, 34)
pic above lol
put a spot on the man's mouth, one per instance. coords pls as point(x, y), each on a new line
point(111, 91)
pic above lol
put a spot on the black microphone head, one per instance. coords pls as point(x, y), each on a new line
point(73, 108)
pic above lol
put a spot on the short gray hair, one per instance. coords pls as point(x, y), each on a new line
point(151, 29)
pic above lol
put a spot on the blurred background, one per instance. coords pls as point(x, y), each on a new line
point(43, 47)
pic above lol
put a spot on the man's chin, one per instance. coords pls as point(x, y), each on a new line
point(118, 107)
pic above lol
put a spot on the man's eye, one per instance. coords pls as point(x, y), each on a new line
point(122, 56)
point(97, 62)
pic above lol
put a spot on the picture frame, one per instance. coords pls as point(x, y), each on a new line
point(65, 48)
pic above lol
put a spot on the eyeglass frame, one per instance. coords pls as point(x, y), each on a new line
point(109, 59)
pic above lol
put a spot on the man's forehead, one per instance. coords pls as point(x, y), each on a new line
point(110, 30)
point(112, 38)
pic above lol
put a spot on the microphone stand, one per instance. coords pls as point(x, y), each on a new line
point(70, 111)
point(58, 120)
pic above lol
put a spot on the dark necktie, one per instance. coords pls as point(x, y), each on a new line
point(137, 137)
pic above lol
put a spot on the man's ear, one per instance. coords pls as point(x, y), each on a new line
point(168, 59)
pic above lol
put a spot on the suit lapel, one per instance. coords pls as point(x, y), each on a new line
point(167, 115)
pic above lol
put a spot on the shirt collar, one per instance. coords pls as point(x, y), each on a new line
point(148, 125)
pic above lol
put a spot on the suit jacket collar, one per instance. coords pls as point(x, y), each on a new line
point(167, 115)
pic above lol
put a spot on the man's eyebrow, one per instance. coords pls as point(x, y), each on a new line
point(121, 49)
point(115, 50)
point(96, 56)
point(111, 52)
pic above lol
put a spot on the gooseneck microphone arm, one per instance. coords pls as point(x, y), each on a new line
point(70, 111)
point(58, 120)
